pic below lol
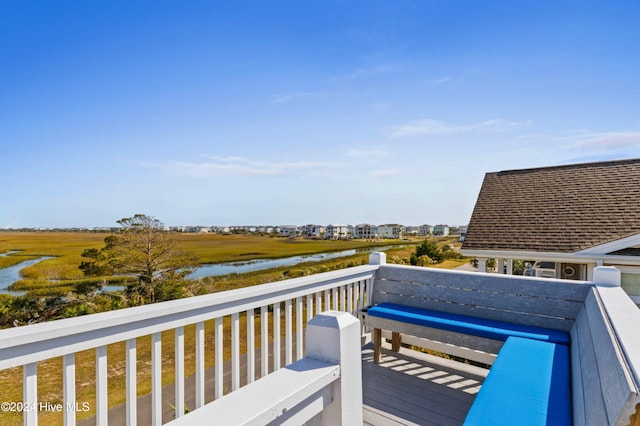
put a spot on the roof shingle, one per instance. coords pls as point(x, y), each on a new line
point(560, 209)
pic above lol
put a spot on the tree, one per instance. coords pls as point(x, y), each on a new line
point(427, 248)
point(145, 250)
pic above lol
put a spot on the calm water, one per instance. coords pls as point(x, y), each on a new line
point(217, 269)
point(12, 274)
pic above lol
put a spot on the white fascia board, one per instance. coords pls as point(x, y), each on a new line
point(525, 255)
point(578, 257)
point(609, 247)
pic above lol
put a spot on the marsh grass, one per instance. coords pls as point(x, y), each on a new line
point(210, 248)
point(62, 271)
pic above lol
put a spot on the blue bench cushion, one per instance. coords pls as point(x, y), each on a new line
point(498, 330)
point(529, 384)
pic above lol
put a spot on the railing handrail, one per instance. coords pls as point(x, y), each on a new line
point(37, 342)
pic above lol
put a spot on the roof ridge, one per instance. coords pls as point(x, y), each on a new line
point(570, 166)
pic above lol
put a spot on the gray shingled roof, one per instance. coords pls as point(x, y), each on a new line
point(560, 209)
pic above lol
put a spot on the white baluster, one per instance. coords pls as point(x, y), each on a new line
point(199, 364)
point(69, 389)
point(264, 337)
point(30, 393)
point(219, 368)
point(288, 332)
point(299, 328)
point(131, 394)
point(102, 406)
point(235, 351)
point(156, 379)
point(276, 336)
point(179, 353)
point(251, 347)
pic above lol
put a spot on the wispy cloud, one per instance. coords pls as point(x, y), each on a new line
point(380, 69)
point(367, 152)
point(607, 141)
point(384, 172)
point(437, 127)
point(279, 98)
point(240, 166)
point(444, 80)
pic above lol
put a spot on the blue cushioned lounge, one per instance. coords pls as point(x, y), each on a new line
point(490, 329)
point(529, 384)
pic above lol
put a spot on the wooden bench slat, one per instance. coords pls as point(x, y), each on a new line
point(490, 346)
point(551, 288)
point(512, 302)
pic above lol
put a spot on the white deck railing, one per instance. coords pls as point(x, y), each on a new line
point(566, 305)
point(344, 290)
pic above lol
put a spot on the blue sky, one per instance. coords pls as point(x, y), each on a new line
point(295, 112)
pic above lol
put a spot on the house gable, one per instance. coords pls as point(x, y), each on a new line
point(563, 209)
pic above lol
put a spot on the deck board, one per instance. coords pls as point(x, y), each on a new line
point(406, 388)
point(409, 388)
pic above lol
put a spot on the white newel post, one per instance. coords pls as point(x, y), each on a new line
point(377, 258)
point(607, 276)
point(334, 337)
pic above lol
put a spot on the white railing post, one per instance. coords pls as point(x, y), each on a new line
point(377, 258)
point(334, 337)
point(608, 276)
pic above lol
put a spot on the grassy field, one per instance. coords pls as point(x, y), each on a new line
point(209, 248)
point(61, 274)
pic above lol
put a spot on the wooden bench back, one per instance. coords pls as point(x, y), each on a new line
point(521, 300)
point(603, 388)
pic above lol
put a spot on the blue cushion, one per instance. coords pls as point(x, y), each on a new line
point(492, 329)
point(529, 384)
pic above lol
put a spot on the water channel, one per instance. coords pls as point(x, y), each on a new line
point(12, 274)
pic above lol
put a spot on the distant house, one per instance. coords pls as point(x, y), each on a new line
point(425, 230)
point(440, 231)
point(391, 230)
point(336, 232)
point(573, 218)
point(312, 231)
point(288, 230)
point(366, 231)
point(412, 230)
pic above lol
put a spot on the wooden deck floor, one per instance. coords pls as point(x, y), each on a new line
point(412, 388)
point(406, 388)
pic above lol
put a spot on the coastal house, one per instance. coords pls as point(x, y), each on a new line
point(337, 232)
point(390, 230)
point(312, 231)
point(573, 217)
point(425, 230)
point(440, 230)
point(366, 231)
point(288, 230)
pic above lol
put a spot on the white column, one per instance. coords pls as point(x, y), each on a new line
point(590, 268)
point(509, 266)
point(335, 337)
point(482, 264)
point(500, 266)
